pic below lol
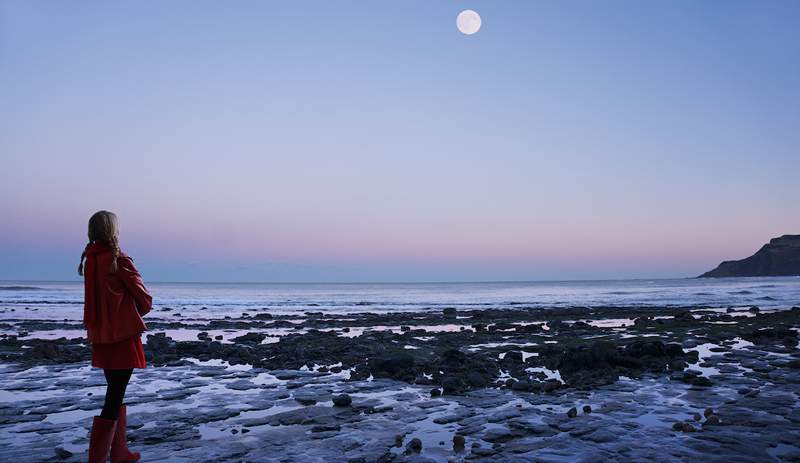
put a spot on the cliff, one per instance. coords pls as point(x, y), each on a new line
point(779, 257)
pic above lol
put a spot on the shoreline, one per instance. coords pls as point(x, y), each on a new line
point(510, 383)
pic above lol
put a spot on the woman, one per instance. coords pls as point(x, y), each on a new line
point(115, 301)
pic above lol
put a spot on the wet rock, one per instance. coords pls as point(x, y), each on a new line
point(305, 397)
point(453, 417)
point(500, 435)
point(62, 453)
point(436, 392)
point(551, 385)
point(450, 312)
point(602, 362)
point(250, 338)
point(44, 351)
point(711, 420)
point(572, 412)
point(240, 385)
point(454, 357)
point(522, 385)
point(687, 427)
point(697, 417)
point(701, 381)
point(708, 412)
point(452, 385)
point(601, 436)
point(458, 442)
point(483, 452)
point(678, 365)
point(531, 328)
point(342, 400)
point(397, 366)
point(556, 325)
point(587, 364)
point(477, 380)
point(513, 357)
point(305, 415)
point(503, 416)
point(782, 334)
point(414, 446)
point(325, 427)
point(587, 409)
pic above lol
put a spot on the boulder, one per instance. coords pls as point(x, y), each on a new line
point(342, 400)
point(452, 385)
point(414, 446)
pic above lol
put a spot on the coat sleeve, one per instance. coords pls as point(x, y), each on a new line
point(130, 277)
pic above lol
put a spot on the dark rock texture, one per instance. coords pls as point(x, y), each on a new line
point(780, 257)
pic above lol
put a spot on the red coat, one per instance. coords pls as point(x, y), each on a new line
point(114, 303)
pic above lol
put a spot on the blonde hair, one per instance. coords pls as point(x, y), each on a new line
point(103, 228)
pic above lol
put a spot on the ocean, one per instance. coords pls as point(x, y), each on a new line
point(64, 300)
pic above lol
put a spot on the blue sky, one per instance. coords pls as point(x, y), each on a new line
point(364, 141)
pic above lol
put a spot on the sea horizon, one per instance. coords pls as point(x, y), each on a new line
point(413, 282)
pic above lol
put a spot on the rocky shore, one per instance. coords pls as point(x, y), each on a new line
point(521, 384)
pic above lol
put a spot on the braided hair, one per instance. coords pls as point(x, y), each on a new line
point(103, 228)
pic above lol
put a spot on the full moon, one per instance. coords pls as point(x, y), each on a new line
point(468, 22)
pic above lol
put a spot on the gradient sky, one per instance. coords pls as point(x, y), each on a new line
point(371, 141)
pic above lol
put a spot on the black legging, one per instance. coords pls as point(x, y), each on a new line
point(115, 391)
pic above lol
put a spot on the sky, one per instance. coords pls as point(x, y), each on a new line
point(372, 141)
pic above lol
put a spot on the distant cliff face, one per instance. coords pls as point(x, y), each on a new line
point(780, 257)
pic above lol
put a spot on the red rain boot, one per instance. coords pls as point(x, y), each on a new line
point(100, 439)
point(119, 447)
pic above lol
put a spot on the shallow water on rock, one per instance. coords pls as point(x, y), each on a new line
point(206, 421)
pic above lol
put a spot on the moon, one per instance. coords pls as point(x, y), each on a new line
point(468, 22)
